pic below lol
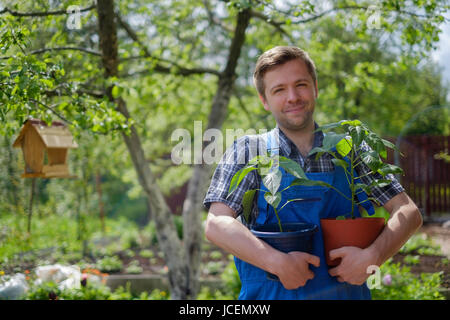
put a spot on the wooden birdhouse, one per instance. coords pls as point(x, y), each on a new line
point(45, 149)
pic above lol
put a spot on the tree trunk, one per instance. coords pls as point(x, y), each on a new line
point(198, 184)
point(165, 228)
point(184, 264)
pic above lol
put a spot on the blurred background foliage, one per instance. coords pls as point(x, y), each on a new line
point(381, 76)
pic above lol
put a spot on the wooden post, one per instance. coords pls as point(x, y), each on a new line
point(30, 207)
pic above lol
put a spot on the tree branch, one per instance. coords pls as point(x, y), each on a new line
point(174, 70)
point(58, 93)
point(42, 13)
point(213, 19)
point(265, 18)
point(331, 10)
point(159, 68)
point(38, 51)
point(353, 8)
point(51, 110)
point(42, 50)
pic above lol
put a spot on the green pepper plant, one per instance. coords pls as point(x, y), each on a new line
point(267, 167)
point(351, 143)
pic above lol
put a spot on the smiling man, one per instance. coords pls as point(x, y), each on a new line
point(286, 82)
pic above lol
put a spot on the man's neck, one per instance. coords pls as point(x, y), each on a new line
point(303, 139)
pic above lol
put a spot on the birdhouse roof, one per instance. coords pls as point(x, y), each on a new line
point(55, 136)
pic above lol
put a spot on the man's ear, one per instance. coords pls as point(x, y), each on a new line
point(264, 102)
point(317, 90)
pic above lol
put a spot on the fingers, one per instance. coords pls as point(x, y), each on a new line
point(333, 272)
point(309, 258)
point(314, 260)
point(338, 253)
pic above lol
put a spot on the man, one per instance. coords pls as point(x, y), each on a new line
point(286, 82)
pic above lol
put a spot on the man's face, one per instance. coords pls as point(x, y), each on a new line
point(290, 95)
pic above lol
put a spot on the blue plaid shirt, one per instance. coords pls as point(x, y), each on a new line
point(246, 147)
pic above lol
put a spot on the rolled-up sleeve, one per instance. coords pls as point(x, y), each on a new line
point(234, 159)
point(381, 194)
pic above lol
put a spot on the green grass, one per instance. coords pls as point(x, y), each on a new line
point(60, 233)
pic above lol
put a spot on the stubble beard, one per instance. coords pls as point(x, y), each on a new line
point(298, 123)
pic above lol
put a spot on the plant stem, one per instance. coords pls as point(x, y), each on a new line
point(365, 175)
point(278, 218)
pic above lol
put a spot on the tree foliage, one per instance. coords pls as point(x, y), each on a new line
point(182, 61)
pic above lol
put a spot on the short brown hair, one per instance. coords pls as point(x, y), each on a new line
point(278, 56)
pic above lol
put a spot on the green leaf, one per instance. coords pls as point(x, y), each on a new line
point(357, 134)
point(309, 183)
point(292, 167)
point(380, 183)
point(340, 218)
point(340, 163)
point(389, 168)
point(371, 159)
point(287, 202)
point(273, 199)
point(14, 90)
point(247, 203)
point(388, 144)
point(331, 140)
point(260, 160)
point(318, 150)
point(238, 177)
point(354, 123)
point(263, 163)
point(115, 92)
point(364, 187)
point(329, 126)
point(344, 146)
point(376, 144)
point(272, 180)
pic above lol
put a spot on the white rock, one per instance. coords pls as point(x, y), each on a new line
point(14, 288)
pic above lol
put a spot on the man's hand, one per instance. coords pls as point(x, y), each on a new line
point(293, 270)
point(353, 266)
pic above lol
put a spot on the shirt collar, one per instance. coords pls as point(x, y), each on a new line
point(286, 145)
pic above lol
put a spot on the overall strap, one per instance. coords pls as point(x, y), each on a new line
point(273, 142)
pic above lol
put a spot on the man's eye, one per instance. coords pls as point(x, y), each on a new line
point(277, 90)
point(301, 84)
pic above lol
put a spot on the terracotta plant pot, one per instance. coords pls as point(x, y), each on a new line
point(359, 232)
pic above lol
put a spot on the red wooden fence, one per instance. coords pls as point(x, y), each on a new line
point(426, 175)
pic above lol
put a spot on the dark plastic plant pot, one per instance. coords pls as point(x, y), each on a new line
point(295, 237)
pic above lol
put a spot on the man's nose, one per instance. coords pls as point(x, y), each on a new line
point(293, 94)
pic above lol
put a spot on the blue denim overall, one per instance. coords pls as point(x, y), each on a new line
point(324, 203)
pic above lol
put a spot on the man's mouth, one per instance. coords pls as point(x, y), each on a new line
point(294, 110)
